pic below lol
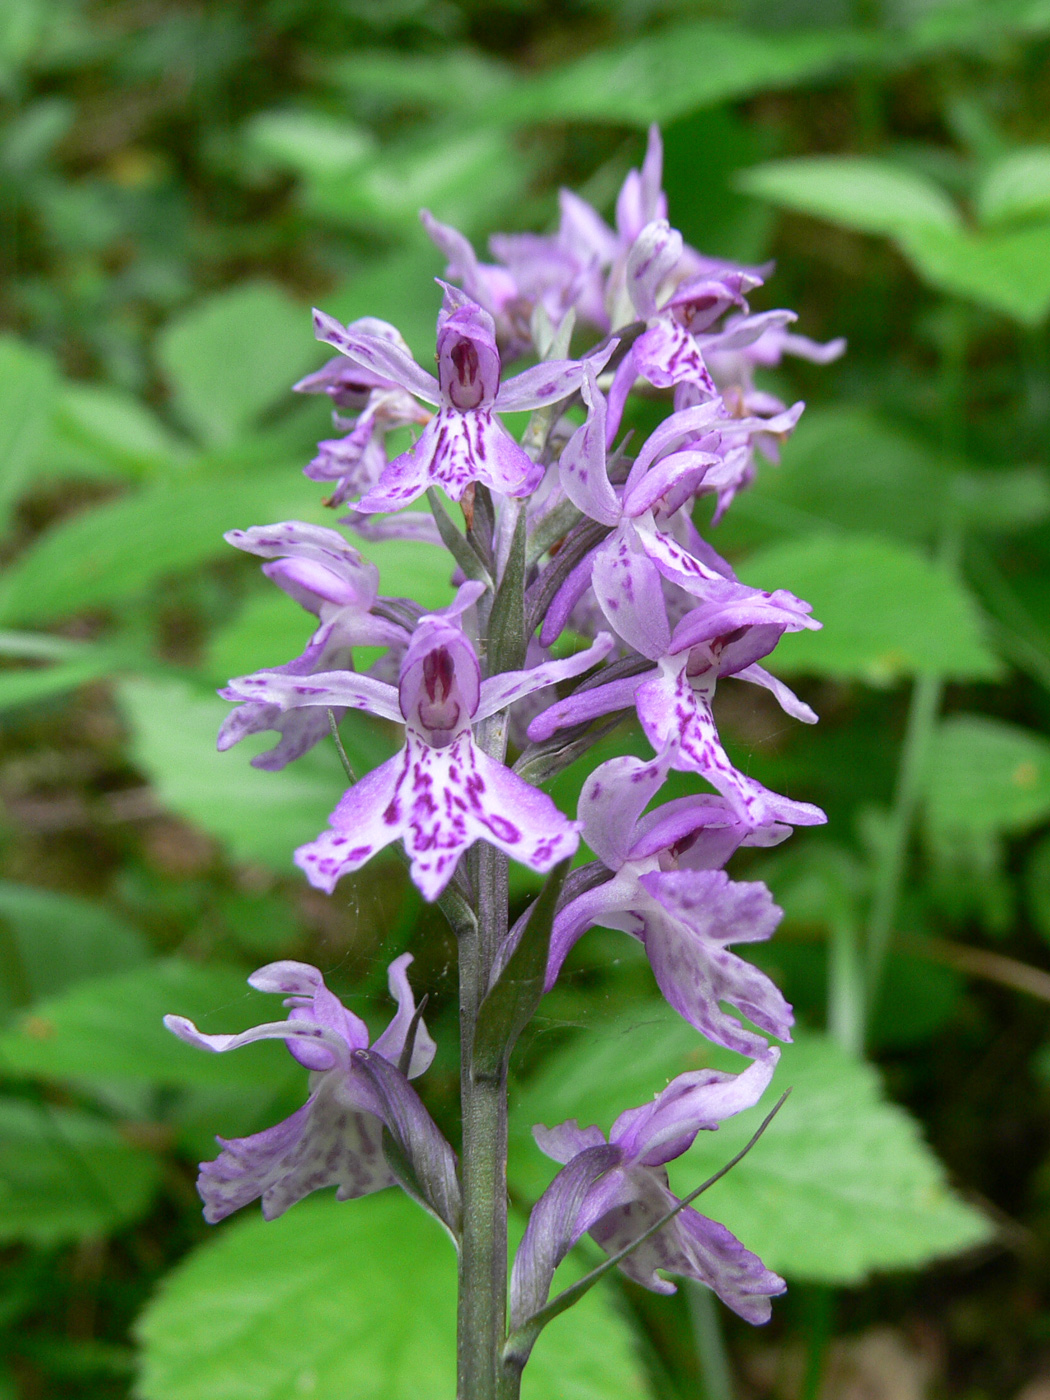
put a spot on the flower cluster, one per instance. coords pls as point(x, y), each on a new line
point(585, 595)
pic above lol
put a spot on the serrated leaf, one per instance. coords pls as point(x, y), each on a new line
point(261, 816)
point(118, 551)
point(986, 775)
point(887, 611)
point(840, 1185)
point(65, 1175)
point(1009, 272)
point(318, 1303)
point(663, 76)
point(59, 939)
point(28, 383)
point(112, 1028)
point(235, 355)
point(856, 192)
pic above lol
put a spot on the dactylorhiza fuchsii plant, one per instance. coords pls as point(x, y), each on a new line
point(584, 592)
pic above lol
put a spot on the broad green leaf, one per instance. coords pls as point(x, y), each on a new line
point(268, 631)
point(65, 1175)
point(30, 685)
point(457, 78)
point(58, 939)
point(407, 570)
point(466, 178)
point(844, 466)
point(840, 467)
point(974, 24)
point(1016, 188)
point(309, 143)
point(117, 429)
point(1010, 271)
point(261, 816)
point(235, 355)
point(677, 70)
point(840, 1185)
point(120, 550)
point(986, 775)
point(318, 1303)
point(112, 1028)
point(28, 384)
point(887, 611)
point(857, 192)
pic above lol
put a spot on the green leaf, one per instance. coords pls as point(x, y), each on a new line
point(318, 1303)
point(399, 289)
point(986, 775)
point(840, 1185)
point(65, 1175)
point(30, 685)
point(58, 939)
point(112, 1028)
point(117, 429)
point(456, 78)
point(309, 143)
point(268, 631)
point(1009, 272)
point(465, 178)
point(677, 70)
point(510, 1004)
point(120, 550)
point(887, 611)
point(1016, 188)
point(974, 24)
point(261, 816)
point(235, 355)
point(28, 384)
point(856, 192)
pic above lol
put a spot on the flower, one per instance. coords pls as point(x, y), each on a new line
point(666, 890)
point(336, 1138)
point(616, 1189)
point(441, 793)
point(327, 576)
point(463, 442)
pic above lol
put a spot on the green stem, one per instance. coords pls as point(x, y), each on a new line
point(482, 1308)
point(820, 1307)
point(846, 996)
point(922, 717)
point(708, 1337)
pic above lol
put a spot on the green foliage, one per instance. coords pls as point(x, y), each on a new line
point(316, 1303)
point(840, 1185)
point(887, 611)
point(869, 195)
point(261, 816)
point(52, 940)
point(111, 1028)
point(28, 384)
point(118, 551)
point(987, 776)
point(1016, 188)
point(66, 1175)
point(234, 356)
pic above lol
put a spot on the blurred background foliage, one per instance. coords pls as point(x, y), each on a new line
point(179, 180)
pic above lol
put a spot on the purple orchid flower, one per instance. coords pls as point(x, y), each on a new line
point(324, 574)
point(723, 636)
point(667, 891)
point(336, 1138)
point(494, 288)
point(463, 442)
point(441, 793)
point(616, 1189)
point(626, 570)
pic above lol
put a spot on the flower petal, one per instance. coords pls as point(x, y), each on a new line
point(385, 357)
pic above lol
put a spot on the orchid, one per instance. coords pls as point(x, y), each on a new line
point(616, 1189)
point(584, 590)
point(463, 442)
point(335, 1139)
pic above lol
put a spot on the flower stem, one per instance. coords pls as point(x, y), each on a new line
point(482, 1309)
point(715, 1375)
